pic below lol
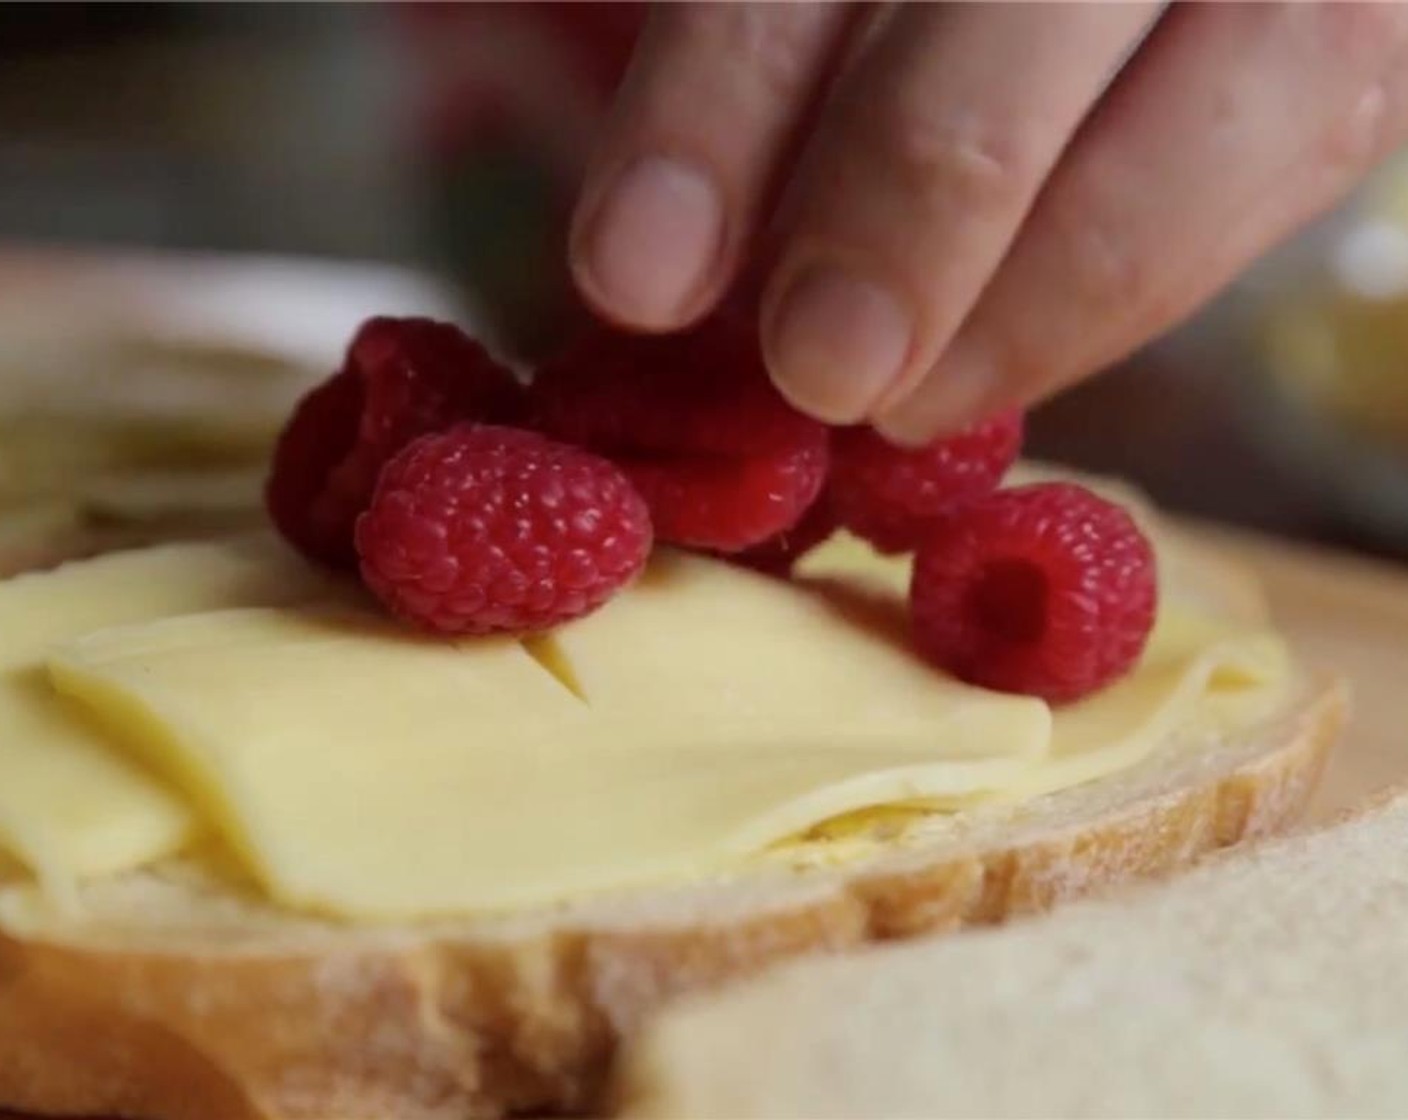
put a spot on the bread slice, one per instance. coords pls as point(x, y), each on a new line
point(177, 996)
point(1272, 985)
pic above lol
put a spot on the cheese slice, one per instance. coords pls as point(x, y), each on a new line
point(313, 739)
point(359, 770)
point(1199, 675)
point(700, 649)
point(69, 805)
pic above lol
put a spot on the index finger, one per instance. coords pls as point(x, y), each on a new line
point(713, 99)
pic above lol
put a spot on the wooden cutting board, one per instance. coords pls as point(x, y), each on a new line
point(1351, 616)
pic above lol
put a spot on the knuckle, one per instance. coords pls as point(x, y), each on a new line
point(1353, 33)
point(956, 158)
point(1101, 265)
point(1373, 125)
point(1359, 139)
point(770, 48)
point(780, 52)
point(1375, 122)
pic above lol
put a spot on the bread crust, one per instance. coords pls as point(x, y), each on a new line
point(433, 1027)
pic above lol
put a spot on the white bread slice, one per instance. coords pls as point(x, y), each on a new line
point(178, 997)
point(1271, 985)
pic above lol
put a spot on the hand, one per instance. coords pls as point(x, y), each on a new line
point(963, 207)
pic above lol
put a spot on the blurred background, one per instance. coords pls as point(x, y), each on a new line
point(375, 157)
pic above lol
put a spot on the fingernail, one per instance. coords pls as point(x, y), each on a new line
point(653, 240)
point(835, 343)
point(957, 391)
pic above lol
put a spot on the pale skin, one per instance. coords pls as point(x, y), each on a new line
point(954, 208)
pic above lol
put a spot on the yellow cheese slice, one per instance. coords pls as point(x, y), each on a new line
point(313, 738)
point(357, 769)
point(1197, 675)
point(69, 805)
point(700, 649)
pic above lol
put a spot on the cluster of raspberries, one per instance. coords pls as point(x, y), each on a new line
point(471, 503)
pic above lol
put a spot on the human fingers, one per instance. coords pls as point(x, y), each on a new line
point(681, 179)
point(1234, 124)
point(926, 160)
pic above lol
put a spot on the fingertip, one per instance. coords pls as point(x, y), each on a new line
point(645, 247)
point(961, 389)
point(834, 341)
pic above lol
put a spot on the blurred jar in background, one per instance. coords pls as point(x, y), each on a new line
point(508, 101)
point(1327, 327)
point(1335, 336)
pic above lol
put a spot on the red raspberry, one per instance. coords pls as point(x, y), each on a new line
point(1047, 590)
point(316, 438)
point(483, 529)
point(729, 503)
point(778, 554)
point(723, 461)
point(702, 391)
point(889, 494)
point(411, 376)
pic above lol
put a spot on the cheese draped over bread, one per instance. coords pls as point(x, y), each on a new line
point(155, 700)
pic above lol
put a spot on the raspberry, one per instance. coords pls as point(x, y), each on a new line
point(702, 391)
point(723, 461)
point(1047, 590)
point(889, 494)
point(729, 503)
point(483, 529)
point(779, 553)
point(318, 435)
point(407, 377)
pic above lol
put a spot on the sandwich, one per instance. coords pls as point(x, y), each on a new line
point(280, 842)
